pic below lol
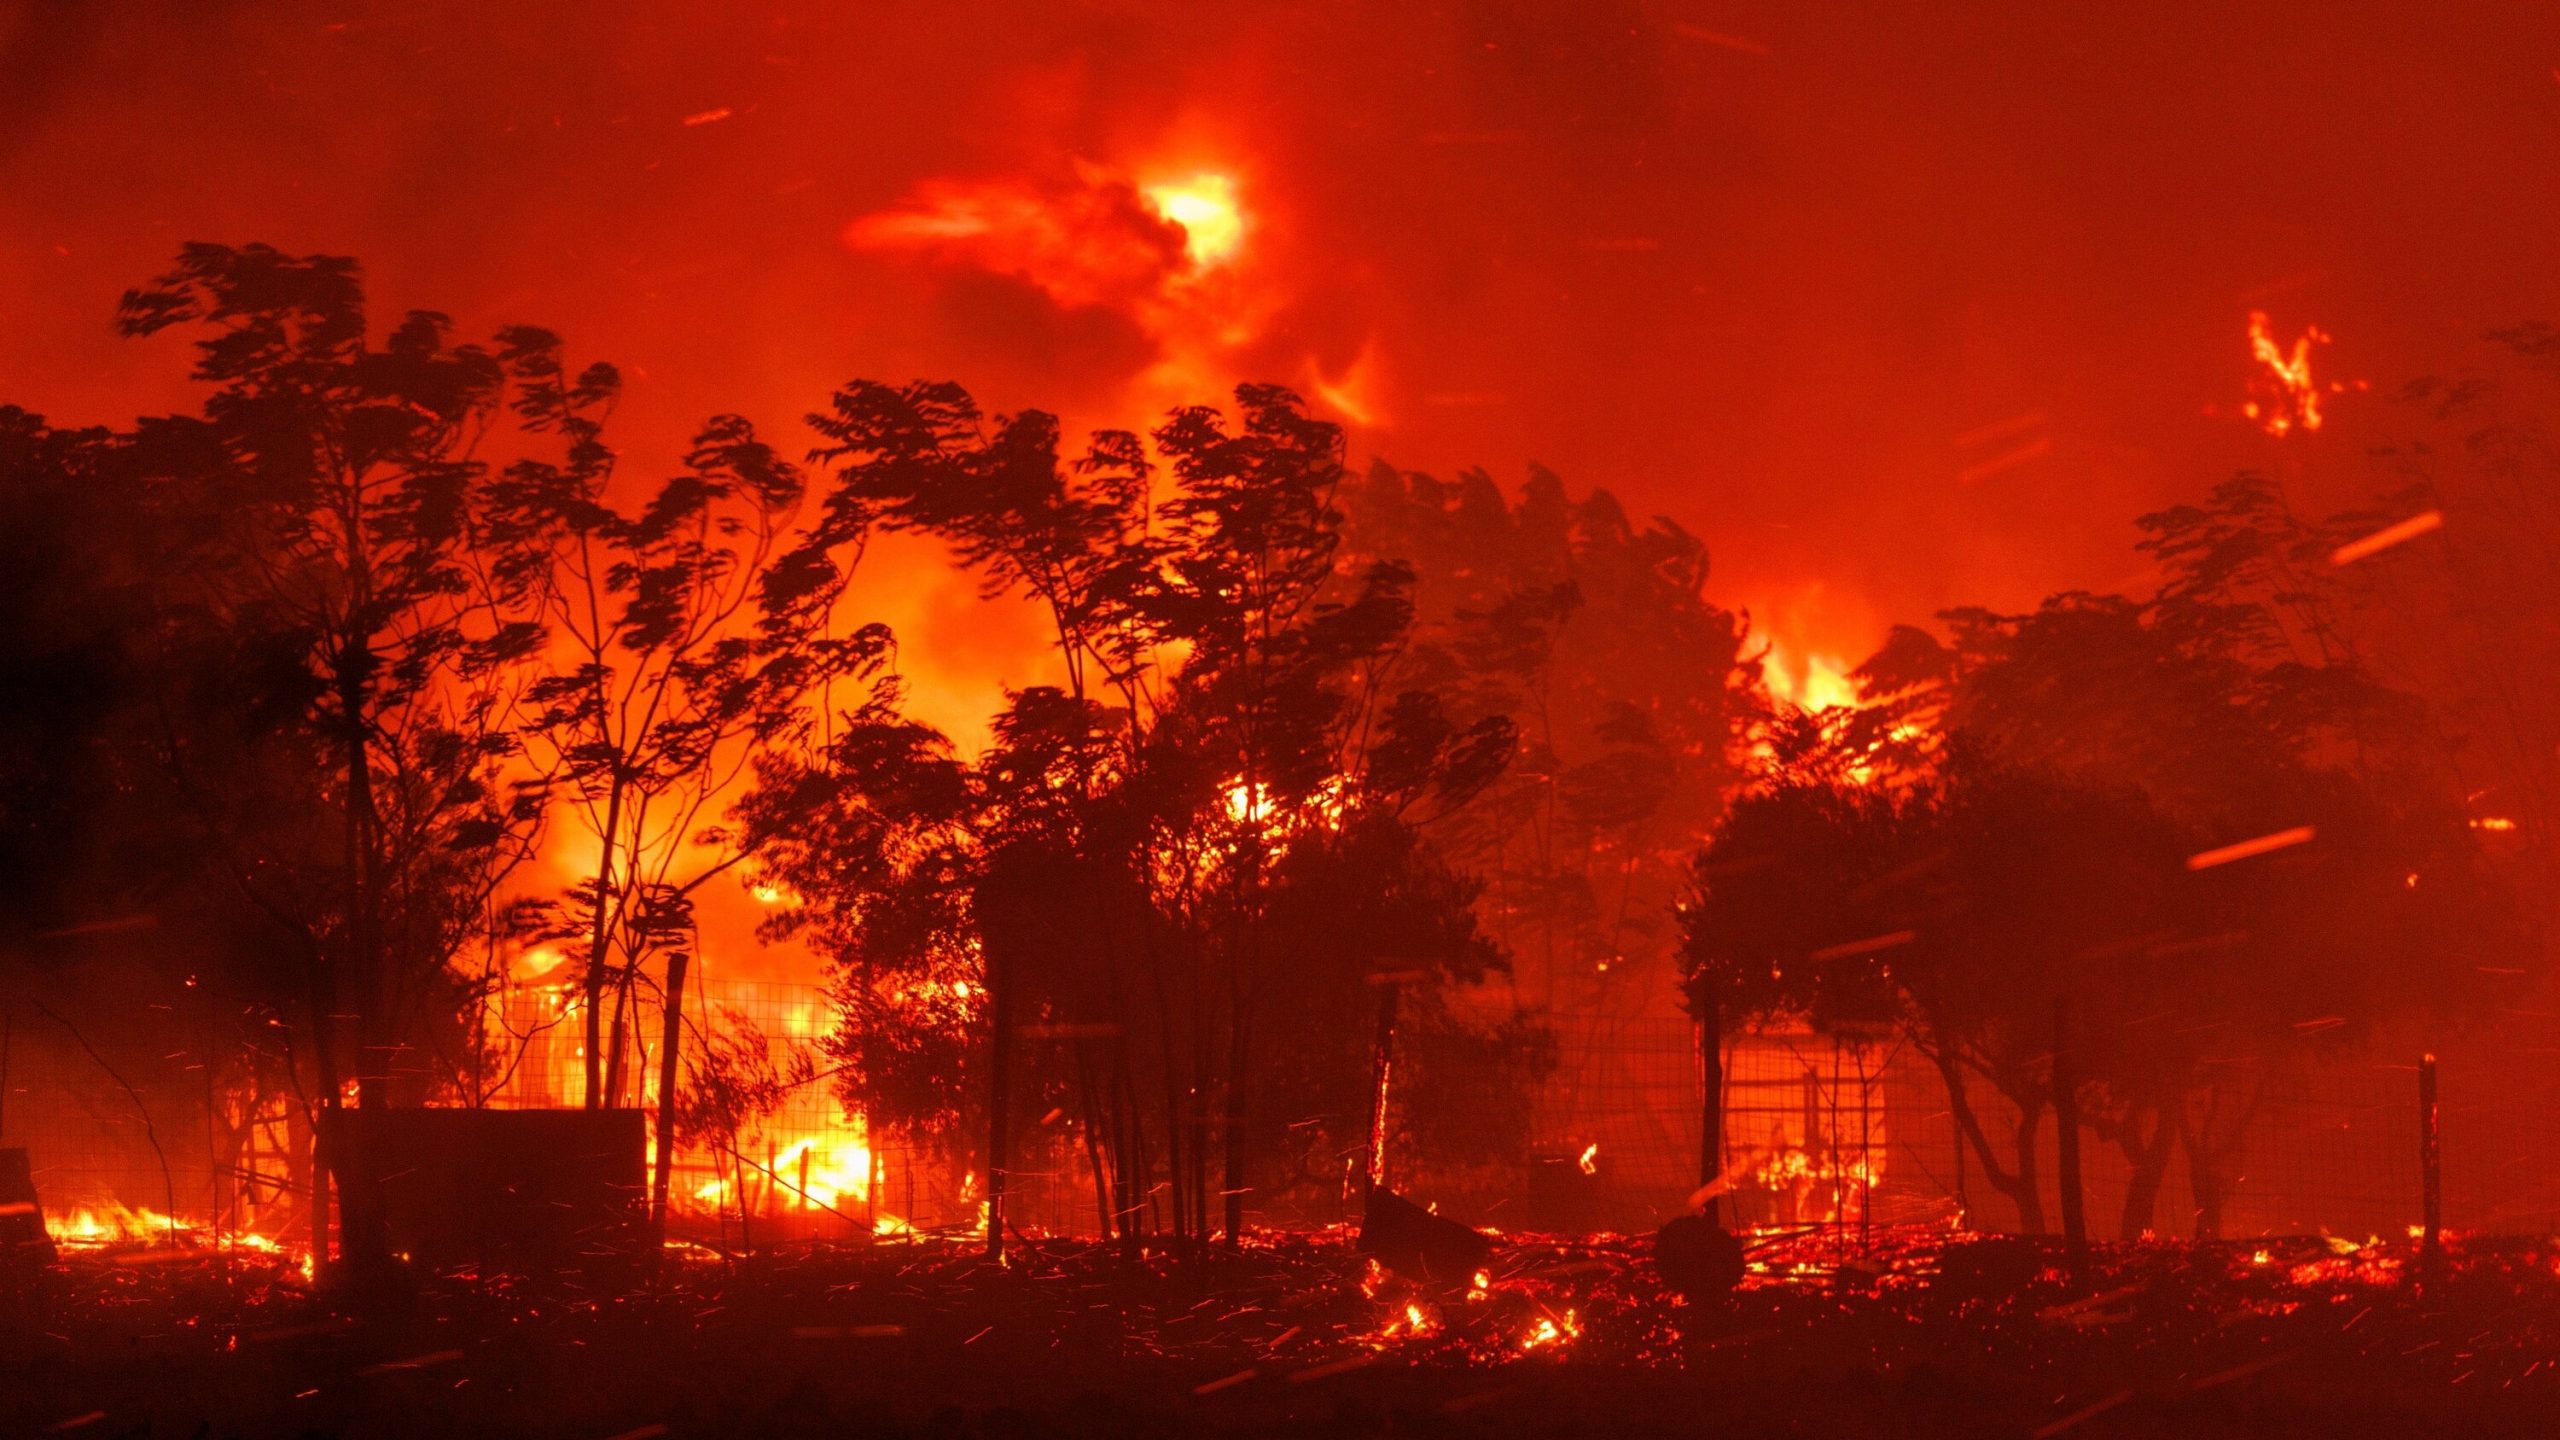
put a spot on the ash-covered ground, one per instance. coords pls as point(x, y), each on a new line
point(1298, 1335)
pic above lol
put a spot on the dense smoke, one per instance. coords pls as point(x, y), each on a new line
point(1757, 267)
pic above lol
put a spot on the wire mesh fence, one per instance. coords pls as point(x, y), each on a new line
point(1819, 1132)
point(1815, 1133)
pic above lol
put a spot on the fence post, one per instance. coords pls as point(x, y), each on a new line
point(1711, 1114)
point(2430, 1157)
point(2066, 1116)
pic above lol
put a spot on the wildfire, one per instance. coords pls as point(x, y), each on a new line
point(1256, 806)
point(1162, 247)
point(2289, 396)
point(109, 1223)
point(1553, 1330)
point(1414, 1321)
point(1206, 209)
point(1809, 681)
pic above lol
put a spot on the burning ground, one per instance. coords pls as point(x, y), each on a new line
point(1927, 1334)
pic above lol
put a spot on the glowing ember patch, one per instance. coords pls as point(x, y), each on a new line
point(1205, 207)
point(1553, 1330)
point(1590, 1161)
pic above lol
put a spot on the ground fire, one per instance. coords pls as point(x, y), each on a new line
point(1137, 719)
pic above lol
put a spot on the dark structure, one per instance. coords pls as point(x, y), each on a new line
point(1419, 1245)
point(23, 1239)
point(525, 1191)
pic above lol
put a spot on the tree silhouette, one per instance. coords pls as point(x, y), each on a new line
point(1629, 689)
point(353, 532)
point(1225, 699)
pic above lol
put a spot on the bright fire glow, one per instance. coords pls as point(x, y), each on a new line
point(1162, 246)
point(2288, 396)
point(1206, 209)
point(1808, 681)
point(1552, 1330)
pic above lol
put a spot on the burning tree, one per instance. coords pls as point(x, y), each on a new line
point(694, 637)
point(1118, 855)
point(2032, 817)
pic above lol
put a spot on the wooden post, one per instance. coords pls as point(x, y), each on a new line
point(2066, 1115)
point(2430, 1158)
point(1711, 1104)
point(670, 1043)
point(999, 1098)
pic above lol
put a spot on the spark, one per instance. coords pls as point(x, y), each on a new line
point(2280, 840)
point(709, 117)
point(1865, 947)
point(2386, 537)
point(1590, 1161)
point(2000, 429)
point(1721, 40)
point(2009, 460)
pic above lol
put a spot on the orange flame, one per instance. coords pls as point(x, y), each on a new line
point(2291, 396)
point(1808, 681)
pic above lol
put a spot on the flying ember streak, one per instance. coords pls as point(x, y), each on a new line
point(2280, 840)
point(2386, 537)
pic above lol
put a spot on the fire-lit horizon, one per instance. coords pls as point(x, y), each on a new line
point(1761, 270)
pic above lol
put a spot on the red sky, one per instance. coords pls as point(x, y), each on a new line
point(1750, 264)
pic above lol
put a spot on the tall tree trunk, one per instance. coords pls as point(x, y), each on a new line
point(2066, 1126)
point(1131, 1166)
point(2018, 1184)
point(1238, 1140)
point(2204, 1182)
point(2026, 1188)
point(1097, 1138)
point(2150, 1159)
point(999, 1095)
point(363, 1242)
point(599, 941)
point(668, 1045)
